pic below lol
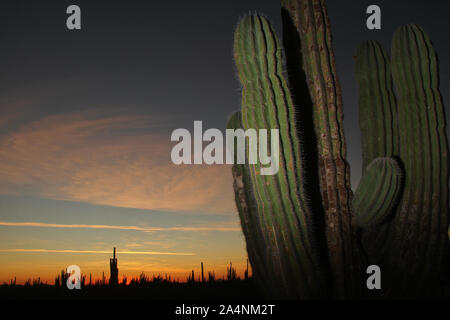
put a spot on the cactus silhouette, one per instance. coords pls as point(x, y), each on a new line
point(303, 225)
point(113, 270)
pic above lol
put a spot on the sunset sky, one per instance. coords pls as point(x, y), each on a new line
point(86, 118)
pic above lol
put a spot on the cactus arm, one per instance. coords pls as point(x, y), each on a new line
point(268, 204)
point(378, 192)
point(378, 119)
point(377, 103)
point(247, 209)
point(424, 208)
point(248, 98)
point(282, 206)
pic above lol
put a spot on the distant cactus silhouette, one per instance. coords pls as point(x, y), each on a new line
point(83, 280)
point(61, 279)
point(114, 272)
point(203, 276)
point(211, 276)
point(231, 273)
point(246, 272)
point(302, 226)
point(124, 281)
point(191, 278)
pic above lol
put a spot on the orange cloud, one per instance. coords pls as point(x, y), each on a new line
point(110, 227)
point(108, 159)
point(97, 252)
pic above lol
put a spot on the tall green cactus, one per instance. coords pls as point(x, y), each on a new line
point(413, 248)
point(282, 205)
point(306, 244)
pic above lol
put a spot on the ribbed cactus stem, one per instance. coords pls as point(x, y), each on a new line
point(285, 216)
point(413, 247)
point(377, 103)
point(311, 21)
point(422, 219)
point(378, 192)
point(248, 214)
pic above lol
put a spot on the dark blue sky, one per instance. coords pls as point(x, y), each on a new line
point(172, 58)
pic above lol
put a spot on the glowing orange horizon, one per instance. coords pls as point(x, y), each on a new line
point(96, 276)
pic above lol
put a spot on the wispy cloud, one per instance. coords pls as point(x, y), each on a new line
point(96, 252)
point(119, 159)
point(112, 227)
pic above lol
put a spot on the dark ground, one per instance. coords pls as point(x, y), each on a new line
point(226, 290)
